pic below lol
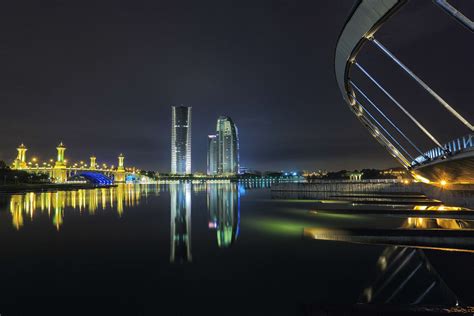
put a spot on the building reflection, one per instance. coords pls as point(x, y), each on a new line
point(29, 206)
point(180, 226)
point(223, 204)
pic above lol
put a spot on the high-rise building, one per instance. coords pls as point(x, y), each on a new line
point(228, 146)
point(180, 140)
point(223, 149)
point(212, 154)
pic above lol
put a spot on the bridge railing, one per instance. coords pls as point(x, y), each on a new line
point(454, 147)
point(360, 28)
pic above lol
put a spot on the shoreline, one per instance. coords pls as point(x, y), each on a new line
point(46, 187)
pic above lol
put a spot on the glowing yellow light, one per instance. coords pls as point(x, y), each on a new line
point(443, 183)
point(33, 159)
point(420, 178)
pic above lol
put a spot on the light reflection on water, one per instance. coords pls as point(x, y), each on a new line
point(271, 238)
point(32, 205)
point(223, 204)
point(434, 223)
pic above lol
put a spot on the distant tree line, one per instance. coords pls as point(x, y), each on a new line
point(9, 176)
point(344, 174)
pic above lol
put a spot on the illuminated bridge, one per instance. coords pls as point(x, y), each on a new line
point(447, 161)
point(59, 171)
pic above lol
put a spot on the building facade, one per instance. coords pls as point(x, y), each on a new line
point(212, 154)
point(224, 160)
point(180, 140)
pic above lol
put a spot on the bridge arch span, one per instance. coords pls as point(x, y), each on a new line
point(93, 177)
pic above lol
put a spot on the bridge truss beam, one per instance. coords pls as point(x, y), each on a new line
point(422, 84)
point(405, 111)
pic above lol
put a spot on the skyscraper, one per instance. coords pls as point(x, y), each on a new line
point(180, 140)
point(227, 154)
point(212, 154)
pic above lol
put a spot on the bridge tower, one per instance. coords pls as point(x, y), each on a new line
point(93, 163)
point(20, 161)
point(59, 170)
point(120, 173)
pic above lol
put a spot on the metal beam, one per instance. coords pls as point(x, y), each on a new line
point(423, 84)
point(400, 287)
point(457, 15)
point(386, 117)
point(386, 132)
point(427, 133)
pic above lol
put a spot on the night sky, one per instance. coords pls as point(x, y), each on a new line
point(101, 77)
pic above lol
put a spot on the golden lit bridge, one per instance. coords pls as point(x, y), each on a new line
point(449, 161)
point(60, 171)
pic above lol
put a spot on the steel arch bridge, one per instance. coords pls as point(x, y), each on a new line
point(450, 161)
point(93, 177)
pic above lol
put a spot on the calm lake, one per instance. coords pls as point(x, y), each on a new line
point(215, 249)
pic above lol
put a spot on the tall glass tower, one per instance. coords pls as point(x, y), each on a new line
point(212, 154)
point(228, 146)
point(180, 140)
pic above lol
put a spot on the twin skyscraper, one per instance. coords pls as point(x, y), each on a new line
point(222, 150)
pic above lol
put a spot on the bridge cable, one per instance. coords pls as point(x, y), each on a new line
point(427, 133)
point(385, 116)
point(456, 14)
point(380, 125)
point(423, 84)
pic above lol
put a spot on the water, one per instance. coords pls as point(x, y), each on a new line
point(179, 249)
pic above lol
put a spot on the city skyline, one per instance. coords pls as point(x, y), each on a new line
point(271, 76)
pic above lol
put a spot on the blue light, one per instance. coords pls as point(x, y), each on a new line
point(95, 178)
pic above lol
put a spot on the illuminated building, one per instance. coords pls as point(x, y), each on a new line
point(93, 163)
point(59, 170)
point(180, 140)
point(224, 160)
point(120, 173)
point(212, 154)
point(20, 161)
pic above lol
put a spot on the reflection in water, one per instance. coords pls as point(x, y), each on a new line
point(180, 205)
point(26, 206)
point(223, 204)
point(405, 276)
point(433, 223)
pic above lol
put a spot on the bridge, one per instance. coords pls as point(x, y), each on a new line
point(59, 171)
point(451, 161)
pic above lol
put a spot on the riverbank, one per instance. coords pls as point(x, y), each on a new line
point(45, 187)
point(454, 195)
